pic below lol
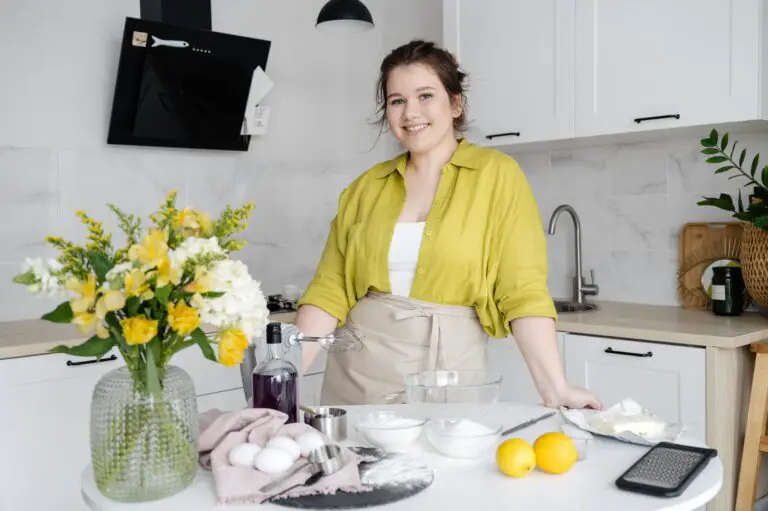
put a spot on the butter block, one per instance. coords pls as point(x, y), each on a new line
point(641, 425)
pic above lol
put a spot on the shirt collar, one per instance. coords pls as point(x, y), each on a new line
point(465, 156)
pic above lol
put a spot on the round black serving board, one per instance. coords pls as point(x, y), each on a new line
point(378, 496)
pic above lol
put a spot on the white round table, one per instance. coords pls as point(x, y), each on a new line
point(478, 484)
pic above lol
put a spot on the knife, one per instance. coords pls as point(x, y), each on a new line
point(527, 423)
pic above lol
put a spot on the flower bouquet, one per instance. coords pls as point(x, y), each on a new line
point(165, 290)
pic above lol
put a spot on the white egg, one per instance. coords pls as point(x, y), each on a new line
point(289, 445)
point(243, 455)
point(308, 441)
point(272, 460)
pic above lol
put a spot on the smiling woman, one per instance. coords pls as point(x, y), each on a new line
point(433, 252)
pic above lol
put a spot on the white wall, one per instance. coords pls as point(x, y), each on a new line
point(632, 201)
point(57, 70)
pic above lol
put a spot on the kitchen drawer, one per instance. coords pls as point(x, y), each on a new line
point(668, 380)
point(54, 366)
point(208, 376)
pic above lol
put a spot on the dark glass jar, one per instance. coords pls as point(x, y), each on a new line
point(727, 291)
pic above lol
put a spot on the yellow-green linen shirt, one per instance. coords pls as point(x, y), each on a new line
point(483, 246)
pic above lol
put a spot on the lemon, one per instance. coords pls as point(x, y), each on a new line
point(555, 452)
point(515, 457)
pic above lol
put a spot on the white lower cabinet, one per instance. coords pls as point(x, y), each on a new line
point(668, 380)
point(226, 401)
point(504, 357)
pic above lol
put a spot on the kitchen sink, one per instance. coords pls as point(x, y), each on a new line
point(562, 306)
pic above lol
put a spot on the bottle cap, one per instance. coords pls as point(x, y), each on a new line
point(274, 333)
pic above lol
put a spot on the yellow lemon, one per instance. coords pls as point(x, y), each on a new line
point(515, 457)
point(555, 452)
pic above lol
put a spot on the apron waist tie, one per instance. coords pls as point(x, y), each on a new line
point(434, 331)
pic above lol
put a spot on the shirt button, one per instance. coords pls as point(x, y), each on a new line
point(429, 234)
point(421, 271)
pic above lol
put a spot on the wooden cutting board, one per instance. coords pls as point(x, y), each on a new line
point(699, 245)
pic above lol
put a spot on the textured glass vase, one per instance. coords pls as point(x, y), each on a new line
point(143, 447)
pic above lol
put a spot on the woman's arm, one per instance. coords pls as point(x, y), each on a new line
point(537, 339)
point(314, 322)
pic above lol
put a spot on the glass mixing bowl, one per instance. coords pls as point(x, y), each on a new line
point(460, 386)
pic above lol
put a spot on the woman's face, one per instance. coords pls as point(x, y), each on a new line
point(419, 110)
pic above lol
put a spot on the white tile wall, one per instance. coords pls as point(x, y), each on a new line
point(55, 96)
point(632, 201)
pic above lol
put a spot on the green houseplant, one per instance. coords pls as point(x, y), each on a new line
point(753, 212)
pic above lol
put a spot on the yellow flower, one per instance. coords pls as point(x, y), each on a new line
point(201, 284)
point(138, 329)
point(85, 321)
point(150, 252)
point(232, 345)
point(166, 273)
point(192, 222)
point(108, 302)
point(182, 318)
point(87, 292)
point(136, 284)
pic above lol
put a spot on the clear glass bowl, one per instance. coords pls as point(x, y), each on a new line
point(454, 394)
point(390, 431)
point(450, 438)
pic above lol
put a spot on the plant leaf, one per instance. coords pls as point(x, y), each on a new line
point(708, 142)
point(724, 169)
point(153, 380)
point(212, 294)
point(764, 178)
point(163, 293)
point(742, 157)
point(710, 150)
point(205, 344)
point(26, 278)
point(724, 142)
point(761, 222)
point(754, 165)
point(93, 347)
point(740, 205)
point(132, 305)
point(100, 264)
point(733, 149)
point(717, 159)
point(61, 314)
point(723, 202)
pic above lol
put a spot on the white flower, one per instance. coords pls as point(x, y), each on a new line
point(43, 278)
point(243, 304)
point(194, 247)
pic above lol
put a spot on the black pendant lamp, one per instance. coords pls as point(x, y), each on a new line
point(344, 16)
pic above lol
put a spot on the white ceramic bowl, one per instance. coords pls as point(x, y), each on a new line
point(379, 430)
point(443, 437)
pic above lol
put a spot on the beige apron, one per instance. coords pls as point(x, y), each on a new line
point(400, 336)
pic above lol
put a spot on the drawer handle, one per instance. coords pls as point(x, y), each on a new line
point(612, 351)
point(94, 361)
point(654, 118)
point(510, 134)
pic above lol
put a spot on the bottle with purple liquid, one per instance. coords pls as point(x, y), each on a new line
point(275, 380)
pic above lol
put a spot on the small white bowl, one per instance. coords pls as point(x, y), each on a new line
point(447, 443)
point(374, 429)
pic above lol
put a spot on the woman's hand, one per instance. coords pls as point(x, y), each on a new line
point(575, 397)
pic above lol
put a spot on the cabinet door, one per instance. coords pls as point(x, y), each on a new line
point(637, 59)
point(517, 54)
point(504, 357)
point(44, 434)
point(667, 380)
point(227, 401)
point(208, 376)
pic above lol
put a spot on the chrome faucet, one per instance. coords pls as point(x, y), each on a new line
point(580, 288)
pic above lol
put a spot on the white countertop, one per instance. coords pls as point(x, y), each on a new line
point(477, 483)
point(660, 323)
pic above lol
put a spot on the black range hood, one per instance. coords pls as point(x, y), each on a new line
point(181, 13)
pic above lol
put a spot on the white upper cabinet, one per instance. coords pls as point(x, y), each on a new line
point(650, 64)
point(517, 54)
point(554, 70)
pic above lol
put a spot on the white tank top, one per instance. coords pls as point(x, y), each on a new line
point(404, 255)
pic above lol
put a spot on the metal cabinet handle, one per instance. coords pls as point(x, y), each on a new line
point(94, 361)
point(657, 117)
point(509, 134)
point(612, 351)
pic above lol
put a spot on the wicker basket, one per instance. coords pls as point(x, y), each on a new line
point(754, 262)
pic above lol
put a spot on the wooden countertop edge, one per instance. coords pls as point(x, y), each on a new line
point(14, 336)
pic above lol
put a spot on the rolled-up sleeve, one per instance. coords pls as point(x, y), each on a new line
point(521, 288)
point(327, 289)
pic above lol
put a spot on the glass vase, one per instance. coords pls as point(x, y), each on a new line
point(143, 446)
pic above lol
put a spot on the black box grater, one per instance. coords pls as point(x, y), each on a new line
point(666, 469)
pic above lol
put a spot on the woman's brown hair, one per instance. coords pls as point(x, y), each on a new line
point(442, 63)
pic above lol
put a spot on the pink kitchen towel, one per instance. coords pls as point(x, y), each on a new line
point(221, 431)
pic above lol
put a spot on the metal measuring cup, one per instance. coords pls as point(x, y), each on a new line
point(324, 460)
